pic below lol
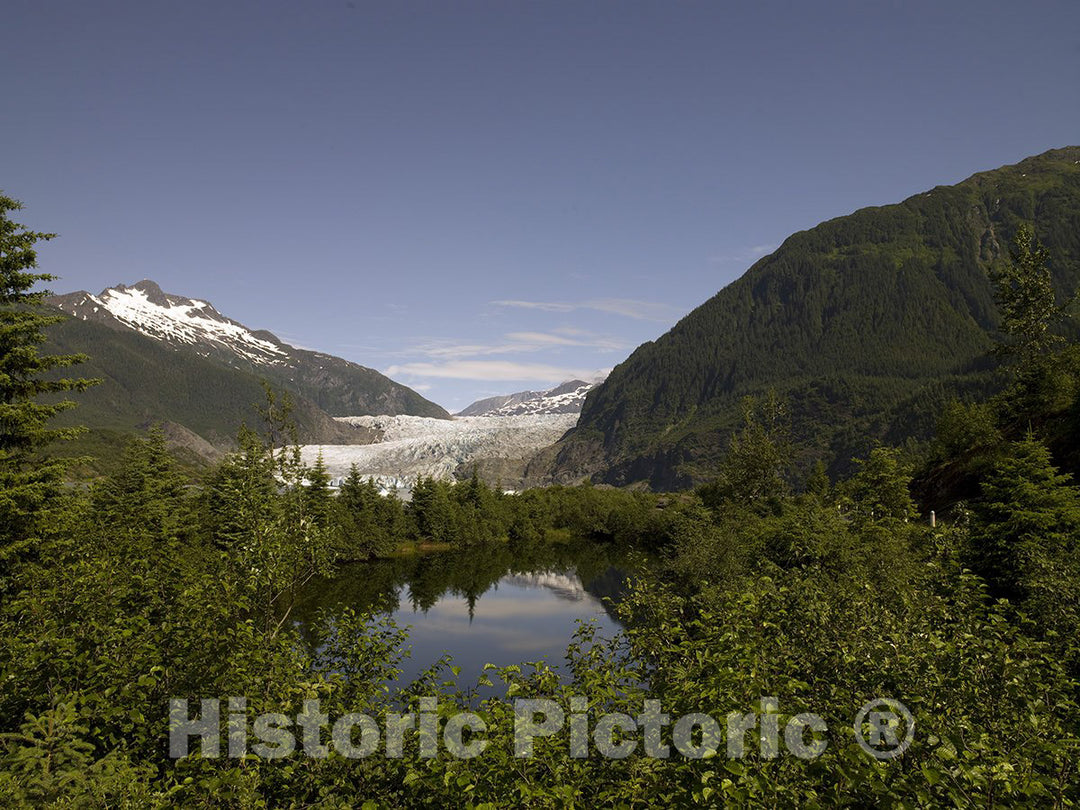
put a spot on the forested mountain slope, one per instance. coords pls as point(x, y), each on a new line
point(194, 326)
point(866, 323)
point(145, 382)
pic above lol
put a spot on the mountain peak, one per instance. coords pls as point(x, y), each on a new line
point(341, 387)
point(566, 397)
point(146, 308)
point(146, 285)
point(154, 293)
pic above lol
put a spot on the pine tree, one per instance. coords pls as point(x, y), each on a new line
point(881, 490)
point(433, 510)
point(240, 496)
point(29, 482)
point(145, 499)
point(818, 483)
point(1024, 290)
point(758, 458)
point(367, 524)
point(478, 512)
point(1026, 543)
point(317, 498)
point(1043, 363)
point(257, 504)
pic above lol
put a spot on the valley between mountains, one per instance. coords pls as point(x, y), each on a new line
point(865, 327)
point(143, 342)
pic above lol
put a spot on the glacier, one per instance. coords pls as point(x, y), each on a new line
point(412, 447)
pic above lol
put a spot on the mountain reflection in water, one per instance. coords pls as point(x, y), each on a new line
point(564, 586)
point(484, 604)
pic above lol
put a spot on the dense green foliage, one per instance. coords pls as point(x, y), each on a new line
point(868, 324)
point(778, 590)
point(148, 590)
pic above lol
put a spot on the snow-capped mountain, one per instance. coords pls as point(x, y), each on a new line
point(145, 308)
point(565, 398)
point(338, 386)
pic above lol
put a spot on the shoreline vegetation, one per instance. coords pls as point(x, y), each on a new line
point(817, 594)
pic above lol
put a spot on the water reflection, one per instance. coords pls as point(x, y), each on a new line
point(497, 604)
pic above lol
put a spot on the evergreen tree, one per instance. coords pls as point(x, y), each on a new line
point(239, 497)
point(352, 488)
point(758, 458)
point(433, 510)
point(1024, 291)
point(28, 482)
point(478, 512)
point(881, 490)
point(367, 523)
point(1044, 365)
point(818, 483)
point(1026, 543)
point(145, 499)
point(280, 546)
point(317, 496)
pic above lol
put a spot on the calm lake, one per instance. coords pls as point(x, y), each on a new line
point(486, 604)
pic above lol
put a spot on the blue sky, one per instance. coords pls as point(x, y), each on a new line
point(480, 197)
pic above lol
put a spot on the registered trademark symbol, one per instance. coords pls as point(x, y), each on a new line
point(879, 725)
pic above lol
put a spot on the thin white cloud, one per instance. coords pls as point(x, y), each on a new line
point(515, 342)
point(542, 339)
point(494, 370)
point(448, 350)
point(546, 306)
point(582, 339)
point(626, 307)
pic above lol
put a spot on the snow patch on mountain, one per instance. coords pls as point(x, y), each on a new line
point(565, 398)
point(146, 309)
point(416, 446)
